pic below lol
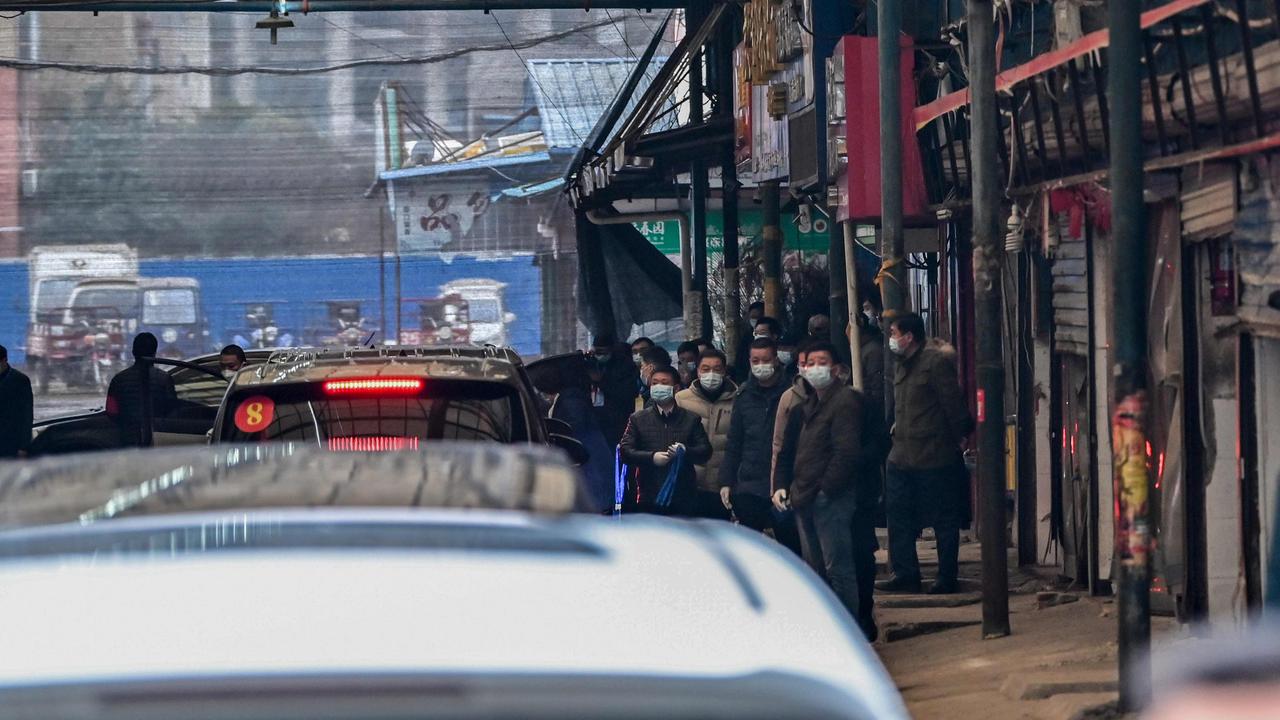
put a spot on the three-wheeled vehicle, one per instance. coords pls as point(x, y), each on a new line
point(344, 325)
point(261, 331)
point(440, 321)
point(172, 311)
point(91, 341)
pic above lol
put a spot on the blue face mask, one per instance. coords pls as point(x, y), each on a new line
point(661, 393)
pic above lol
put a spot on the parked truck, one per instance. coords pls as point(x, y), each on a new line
point(486, 308)
point(54, 273)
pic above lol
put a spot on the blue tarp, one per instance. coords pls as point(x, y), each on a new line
point(298, 286)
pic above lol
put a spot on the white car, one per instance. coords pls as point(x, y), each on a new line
point(358, 609)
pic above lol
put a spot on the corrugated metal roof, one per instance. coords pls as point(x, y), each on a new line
point(573, 94)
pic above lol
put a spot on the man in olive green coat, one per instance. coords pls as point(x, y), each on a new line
point(925, 485)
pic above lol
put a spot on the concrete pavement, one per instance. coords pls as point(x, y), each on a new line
point(1059, 663)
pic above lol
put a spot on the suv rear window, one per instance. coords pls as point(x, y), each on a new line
point(441, 410)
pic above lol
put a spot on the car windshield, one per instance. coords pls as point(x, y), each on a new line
point(169, 307)
point(106, 302)
point(52, 295)
point(485, 310)
point(443, 410)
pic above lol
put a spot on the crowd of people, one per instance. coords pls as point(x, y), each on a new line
point(783, 444)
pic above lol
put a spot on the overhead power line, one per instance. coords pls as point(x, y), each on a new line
point(216, 71)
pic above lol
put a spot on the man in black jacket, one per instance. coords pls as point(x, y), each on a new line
point(124, 399)
point(16, 409)
point(822, 478)
point(744, 471)
point(613, 386)
point(659, 437)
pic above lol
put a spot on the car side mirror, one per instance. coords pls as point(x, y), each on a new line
point(576, 451)
point(558, 427)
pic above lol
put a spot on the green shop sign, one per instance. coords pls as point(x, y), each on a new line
point(812, 237)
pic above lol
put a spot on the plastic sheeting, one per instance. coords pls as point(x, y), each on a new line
point(623, 280)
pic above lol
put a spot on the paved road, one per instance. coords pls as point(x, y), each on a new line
point(54, 405)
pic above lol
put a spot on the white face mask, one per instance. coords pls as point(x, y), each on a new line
point(711, 381)
point(763, 372)
point(895, 346)
point(784, 357)
point(635, 358)
point(691, 367)
point(661, 393)
point(228, 374)
point(818, 376)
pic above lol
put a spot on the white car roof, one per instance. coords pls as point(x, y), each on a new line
point(576, 595)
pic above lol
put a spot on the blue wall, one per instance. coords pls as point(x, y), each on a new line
point(299, 285)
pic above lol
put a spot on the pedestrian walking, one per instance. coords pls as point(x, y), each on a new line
point(16, 409)
point(820, 478)
point(613, 386)
point(711, 398)
point(124, 398)
point(748, 457)
point(924, 487)
point(662, 444)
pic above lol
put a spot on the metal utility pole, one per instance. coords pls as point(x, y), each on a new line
point(851, 298)
point(729, 193)
point(987, 253)
point(1128, 426)
point(772, 237)
point(838, 294)
point(888, 31)
point(698, 191)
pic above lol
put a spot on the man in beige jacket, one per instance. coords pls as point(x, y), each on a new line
point(710, 397)
point(794, 397)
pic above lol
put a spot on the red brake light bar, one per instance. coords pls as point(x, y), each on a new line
point(372, 444)
point(374, 386)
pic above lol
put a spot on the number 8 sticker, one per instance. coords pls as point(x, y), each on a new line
point(255, 414)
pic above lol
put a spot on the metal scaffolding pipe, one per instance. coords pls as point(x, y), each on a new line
point(686, 256)
point(988, 313)
point(309, 6)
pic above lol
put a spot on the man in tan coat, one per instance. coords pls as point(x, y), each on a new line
point(710, 397)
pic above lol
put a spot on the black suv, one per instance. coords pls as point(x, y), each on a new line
point(390, 398)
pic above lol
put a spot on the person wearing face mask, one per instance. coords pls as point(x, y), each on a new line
point(767, 328)
point(638, 346)
point(687, 362)
point(745, 465)
point(612, 375)
point(923, 487)
point(230, 359)
point(658, 436)
point(654, 357)
point(787, 358)
point(711, 397)
point(819, 474)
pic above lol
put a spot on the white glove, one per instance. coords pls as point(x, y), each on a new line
point(661, 459)
point(781, 499)
point(724, 498)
